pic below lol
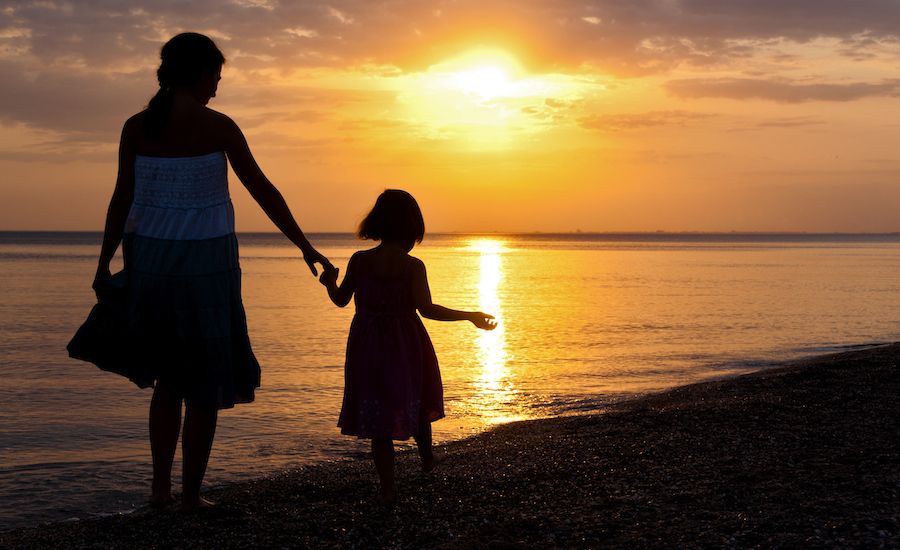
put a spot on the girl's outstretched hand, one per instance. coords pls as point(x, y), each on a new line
point(483, 321)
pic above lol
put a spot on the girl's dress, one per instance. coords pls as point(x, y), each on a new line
point(392, 383)
point(186, 320)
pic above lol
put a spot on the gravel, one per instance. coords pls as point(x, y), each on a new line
point(799, 455)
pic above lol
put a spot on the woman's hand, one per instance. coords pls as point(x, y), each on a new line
point(483, 321)
point(102, 276)
point(312, 257)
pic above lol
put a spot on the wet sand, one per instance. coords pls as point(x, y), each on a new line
point(805, 454)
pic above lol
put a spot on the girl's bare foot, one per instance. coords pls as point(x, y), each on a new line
point(430, 462)
point(193, 505)
point(388, 498)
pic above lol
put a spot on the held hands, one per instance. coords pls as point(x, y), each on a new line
point(483, 321)
point(339, 295)
point(312, 257)
point(329, 275)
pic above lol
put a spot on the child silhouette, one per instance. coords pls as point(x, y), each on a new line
point(392, 384)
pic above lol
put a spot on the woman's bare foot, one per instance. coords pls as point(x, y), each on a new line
point(193, 505)
point(161, 494)
point(161, 501)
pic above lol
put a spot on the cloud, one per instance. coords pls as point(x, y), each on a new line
point(640, 121)
point(82, 66)
point(780, 123)
point(791, 122)
point(626, 37)
point(83, 104)
point(63, 150)
point(780, 90)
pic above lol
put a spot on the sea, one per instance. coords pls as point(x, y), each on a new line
point(585, 320)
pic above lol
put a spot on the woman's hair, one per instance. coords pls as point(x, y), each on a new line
point(395, 217)
point(184, 60)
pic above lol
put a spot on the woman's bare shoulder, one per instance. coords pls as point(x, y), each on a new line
point(134, 123)
point(132, 132)
point(220, 119)
point(222, 128)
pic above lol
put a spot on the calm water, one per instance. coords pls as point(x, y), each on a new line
point(585, 319)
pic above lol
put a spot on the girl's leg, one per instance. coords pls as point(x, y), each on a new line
point(383, 454)
point(423, 442)
point(165, 424)
point(199, 431)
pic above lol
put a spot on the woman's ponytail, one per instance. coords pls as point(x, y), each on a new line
point(158, 109)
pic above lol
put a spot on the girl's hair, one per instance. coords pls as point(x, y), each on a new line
point(184, 60)
point(395, 217)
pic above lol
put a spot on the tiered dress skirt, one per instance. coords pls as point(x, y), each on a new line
point(184, 321)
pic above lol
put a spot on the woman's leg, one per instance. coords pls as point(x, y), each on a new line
point(383, 454)
point(423, 442)
point(199, 431)
point(165, 424)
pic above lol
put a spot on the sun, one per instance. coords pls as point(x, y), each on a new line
point(488, 82)
point(481, 99)
point(483, 73)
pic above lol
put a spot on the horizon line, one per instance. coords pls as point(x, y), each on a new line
point(537, 232)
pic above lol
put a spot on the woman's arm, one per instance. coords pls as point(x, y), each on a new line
point(267, 195)
point(430, 310)
point(119, 204)
point(340, 294)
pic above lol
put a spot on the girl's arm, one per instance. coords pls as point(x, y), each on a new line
point(430, 310)
point(266, 194)
point(340, 294)
point(119, 204)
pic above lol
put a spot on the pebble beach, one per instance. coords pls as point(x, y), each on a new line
point(800, 454)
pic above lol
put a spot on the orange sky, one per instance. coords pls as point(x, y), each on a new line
point(697, 115)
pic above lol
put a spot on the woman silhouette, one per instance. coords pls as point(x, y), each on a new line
point(173, 215)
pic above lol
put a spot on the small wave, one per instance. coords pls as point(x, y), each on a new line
point(836, 348)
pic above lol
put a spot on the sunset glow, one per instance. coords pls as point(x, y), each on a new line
point(482, 100)
point(502, 116)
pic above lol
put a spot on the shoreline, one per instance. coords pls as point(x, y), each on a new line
point(801, 453)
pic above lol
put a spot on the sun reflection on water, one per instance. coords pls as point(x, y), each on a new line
point(496, 391)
